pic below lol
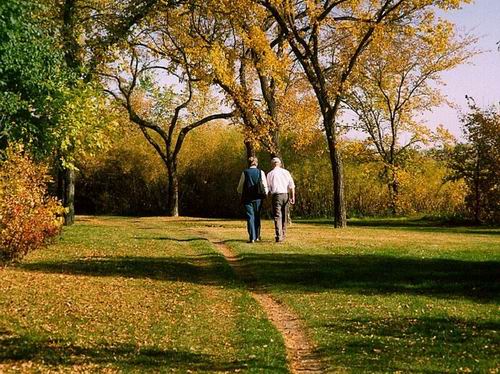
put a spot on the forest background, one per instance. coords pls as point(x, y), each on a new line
point(128, 179)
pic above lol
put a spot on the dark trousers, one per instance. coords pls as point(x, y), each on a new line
point(280, 214)
point(252, 212)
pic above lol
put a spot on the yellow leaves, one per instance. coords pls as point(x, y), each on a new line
point(443, 137)
point(313, 10)
point(452, 4)
point(86, 120)
point(298, 115)
point(268, 63)
point(222, 67)
point(356, 150)
point(141, 104)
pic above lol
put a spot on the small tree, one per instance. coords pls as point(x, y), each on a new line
point(391, 92)
point(477, 161)
point(163, 115)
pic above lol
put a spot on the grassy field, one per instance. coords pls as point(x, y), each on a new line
point(388, 296)
point(131, 295)
point(151, 294)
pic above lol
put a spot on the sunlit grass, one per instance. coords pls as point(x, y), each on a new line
point(409, 297)
point(152, 294)
point(131, 295)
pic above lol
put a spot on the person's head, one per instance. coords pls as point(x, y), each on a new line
point(253, 161)
point(275, 162)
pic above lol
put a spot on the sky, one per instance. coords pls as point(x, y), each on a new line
point(480, 79)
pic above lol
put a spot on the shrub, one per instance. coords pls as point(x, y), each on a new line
point(128, 178)
point(28, 216)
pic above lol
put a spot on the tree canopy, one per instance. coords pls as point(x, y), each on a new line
point(32, 77)
point(287, 73)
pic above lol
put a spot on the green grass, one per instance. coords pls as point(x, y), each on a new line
point(151, 294)
point(388, 298)
point(131, 295)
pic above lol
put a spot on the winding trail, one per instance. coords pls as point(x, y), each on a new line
point(302, 355)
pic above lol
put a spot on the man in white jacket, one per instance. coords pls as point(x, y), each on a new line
point(282, 190)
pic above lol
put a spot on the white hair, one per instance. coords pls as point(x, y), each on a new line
point(253, 161)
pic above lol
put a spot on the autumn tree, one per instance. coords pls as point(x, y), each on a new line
point(328, 39)
point(399, 82)
point(165, 113)
point(230, 38)
point(477, 161)
point(228, 46)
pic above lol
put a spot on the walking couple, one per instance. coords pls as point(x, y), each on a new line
point(253, 188)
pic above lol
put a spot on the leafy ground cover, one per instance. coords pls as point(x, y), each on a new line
point(131, 295)
point(151, 294)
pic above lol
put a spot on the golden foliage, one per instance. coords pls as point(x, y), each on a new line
point(28, 216)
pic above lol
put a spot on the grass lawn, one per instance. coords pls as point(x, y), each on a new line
point(151, 294)
point(131, 295)
point(389, 296)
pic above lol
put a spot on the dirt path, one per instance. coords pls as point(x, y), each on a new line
point(301, 352)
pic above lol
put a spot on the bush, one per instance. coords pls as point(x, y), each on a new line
point(208, 179)
point(28, 216)
point(128, 178)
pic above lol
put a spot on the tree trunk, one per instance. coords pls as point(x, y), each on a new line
point(276, 143)
point(173, 191)
point(250, 150)
point(60, 182)
point(394, 190)
point(477, 193)
point(393, 186)
point(69, 196)
point(339, 210)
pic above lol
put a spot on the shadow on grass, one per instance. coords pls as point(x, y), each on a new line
point(393, 344)
point(125, 356)
point(363, 274)
point(410, 224)
point(195, 239)
point(206, 269)
point(171, 239)
point(374, 274)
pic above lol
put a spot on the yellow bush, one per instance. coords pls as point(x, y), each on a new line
point(28, 216)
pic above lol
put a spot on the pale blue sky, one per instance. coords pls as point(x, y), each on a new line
point(480, 80)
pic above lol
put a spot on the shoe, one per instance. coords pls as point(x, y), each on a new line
point(251, 241)
point(258, 239)
point(279, 240)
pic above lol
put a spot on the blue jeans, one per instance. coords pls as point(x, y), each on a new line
point(252, 212)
